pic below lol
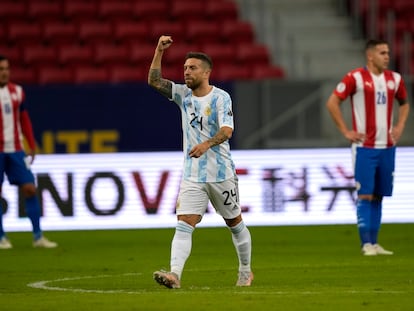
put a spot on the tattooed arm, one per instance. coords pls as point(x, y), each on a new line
point(155, 79)
point(221, 136)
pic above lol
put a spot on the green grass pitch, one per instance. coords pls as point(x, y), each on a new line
point(296, 268)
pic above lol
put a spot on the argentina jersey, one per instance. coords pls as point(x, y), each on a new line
point(201, 118)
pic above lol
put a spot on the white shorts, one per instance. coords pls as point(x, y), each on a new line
point(193, 198)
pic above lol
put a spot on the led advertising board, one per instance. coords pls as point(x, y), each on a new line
point(139, 190)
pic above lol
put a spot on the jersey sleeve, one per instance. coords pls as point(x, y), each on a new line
point(178, 93)
point(401, 94)
point(346, 87)
point(225, 111)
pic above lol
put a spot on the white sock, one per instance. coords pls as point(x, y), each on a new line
point(181, 247)
point(243, 243)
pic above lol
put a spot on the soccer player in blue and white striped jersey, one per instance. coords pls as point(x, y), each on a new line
point(209, 172)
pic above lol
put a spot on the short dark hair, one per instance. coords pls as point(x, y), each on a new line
point(373, 43)
point(201, 56)
point(2, 57)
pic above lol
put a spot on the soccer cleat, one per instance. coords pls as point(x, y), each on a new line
point(5, 243)
point(381, 251)
point(168, 279)
point(245, 278)
point(368, 250)
point(44, 243)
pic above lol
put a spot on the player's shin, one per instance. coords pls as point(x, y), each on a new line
point(364, 220)
point(181, 247)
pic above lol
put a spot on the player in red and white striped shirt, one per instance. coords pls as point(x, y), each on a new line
point(372, 90)
point(14, 124)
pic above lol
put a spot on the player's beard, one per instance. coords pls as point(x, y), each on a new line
point(192, 84)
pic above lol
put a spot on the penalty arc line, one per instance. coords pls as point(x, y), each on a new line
point(44, 285)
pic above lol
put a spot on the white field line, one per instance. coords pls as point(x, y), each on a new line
point(46, 285)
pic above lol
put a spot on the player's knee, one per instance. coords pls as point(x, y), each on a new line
point(192, 220)
point(368, 197)
point(28, 190)
point(234, 221)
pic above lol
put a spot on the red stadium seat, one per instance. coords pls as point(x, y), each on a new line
point(403, 8)
point(176, 55)
point(118, 74)
point(222, 10)
point(130, 31)
point(38, 54)
point(12, 10)
point(159, 28)
point(145, 10)
point(230, 72)
point(42, 10)
point(79, 10)
point(110, 54)
point(382, 6)
point(23, 75)
point(74, 54)
point(141, 53)
point(220, 53)
point(115, 10)
point(252, 54)
point(55, 75)
point(203, 32)
point(173, 73)
point(260, 71)
point(95, 31)
point(13, 53)
point(90, 74)
point(59, 32)
point(237, 31)
point(184, 10)
point(22, 32)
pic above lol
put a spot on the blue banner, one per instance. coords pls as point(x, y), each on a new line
point(103, 118)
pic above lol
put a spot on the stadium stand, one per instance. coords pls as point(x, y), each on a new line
point(13, 53)
point(126, 31)
point(22, 32)
point(189, 11)
point(144, 10)
point(118, 74)
point(79, 10)
point(11, 10)
point(202, 32)
point(98, 35)
point(38, 54)
point(91, 74)
point(42, 10)
point(221, 11)
point(176, 55)
point(238, 31)
point(112, 10)
point(58, 32)
point(24, 74)
point(74, 54)
point(400, 12)
point(55, 75)
point(95, 31)
point(220, 54)
point(110, 54)
point(141, 53)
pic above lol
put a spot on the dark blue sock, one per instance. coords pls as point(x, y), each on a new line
point(376, 213)
point(33, 212)
point(364, 220)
